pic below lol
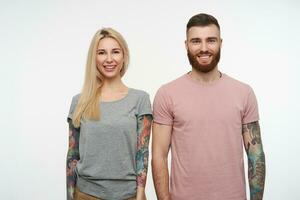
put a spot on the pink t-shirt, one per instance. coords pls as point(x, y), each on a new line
point(206, 145)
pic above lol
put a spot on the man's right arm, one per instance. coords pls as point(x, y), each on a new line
point(161, 140)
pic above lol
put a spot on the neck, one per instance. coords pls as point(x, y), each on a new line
point(207, 77)
point(113, 85)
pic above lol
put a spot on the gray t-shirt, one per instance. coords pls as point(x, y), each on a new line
point(107, 148)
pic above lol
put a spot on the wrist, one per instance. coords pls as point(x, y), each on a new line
point(140, 190)
point(140, 193)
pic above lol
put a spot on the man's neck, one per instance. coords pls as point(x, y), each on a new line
point(206, 78)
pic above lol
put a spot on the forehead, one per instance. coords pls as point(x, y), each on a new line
point(108, 43)
point(203, 32)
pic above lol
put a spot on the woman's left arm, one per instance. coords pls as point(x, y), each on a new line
point(144, 130)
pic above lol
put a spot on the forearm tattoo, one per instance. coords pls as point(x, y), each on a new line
point(256, 159)
point(144, 129)
point(72, 159)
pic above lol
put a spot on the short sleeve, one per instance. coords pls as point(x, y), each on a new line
point(162, 112)
point(144, 106)
point(72, 107)
point(250, 112)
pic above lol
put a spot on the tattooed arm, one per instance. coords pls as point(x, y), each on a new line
point(72, 159)
point(144, 129)
point(256, 159)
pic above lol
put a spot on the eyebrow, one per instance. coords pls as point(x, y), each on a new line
point(194, 39)
point(209, 38)
point(215, 38)
point(112, 49)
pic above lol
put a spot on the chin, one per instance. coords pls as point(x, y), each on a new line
point(110, 76)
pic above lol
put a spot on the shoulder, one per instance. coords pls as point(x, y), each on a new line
point(141, 100)
point(138, 93)
point(173, 86)
point(237, 84)
point(170, 90)
point(175, 83)
point(75, 98)
point(74, 102)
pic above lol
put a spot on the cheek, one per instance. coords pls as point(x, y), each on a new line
point(119, 59)
point(193, 49)
point(215, 48)
point(99, 60)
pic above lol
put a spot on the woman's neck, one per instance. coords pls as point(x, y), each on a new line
point(113, 90)
point(115, 85)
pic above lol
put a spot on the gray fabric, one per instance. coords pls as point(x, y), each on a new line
point(107, 148)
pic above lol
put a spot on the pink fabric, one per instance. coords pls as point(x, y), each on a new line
point(206, 145)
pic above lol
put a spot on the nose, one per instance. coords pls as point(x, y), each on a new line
point(109, 58)
point(203, 46)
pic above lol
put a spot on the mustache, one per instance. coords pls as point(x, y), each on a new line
point(203, 53)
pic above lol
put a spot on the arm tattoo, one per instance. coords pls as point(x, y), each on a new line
point(144, 129)
point(256, 159)
point(72, 159)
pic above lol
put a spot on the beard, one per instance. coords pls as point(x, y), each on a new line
point(207, 67)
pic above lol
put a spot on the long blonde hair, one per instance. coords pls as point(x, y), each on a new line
point(88, 103)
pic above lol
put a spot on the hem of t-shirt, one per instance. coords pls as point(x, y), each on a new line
point(145, 113)
point(163, 122)
point(69, 117)
point(251, 120)
point(90, 188)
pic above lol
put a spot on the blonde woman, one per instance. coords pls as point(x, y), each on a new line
point(109, 127)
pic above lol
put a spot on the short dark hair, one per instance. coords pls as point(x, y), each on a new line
point(202, 19)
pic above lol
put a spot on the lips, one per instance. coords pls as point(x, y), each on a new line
point(109, 67)
point(204, 57)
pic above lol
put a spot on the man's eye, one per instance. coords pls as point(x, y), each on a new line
point(211, 40)
point(196, 41)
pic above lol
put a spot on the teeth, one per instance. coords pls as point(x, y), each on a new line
point(203, 56)
point(109, 67)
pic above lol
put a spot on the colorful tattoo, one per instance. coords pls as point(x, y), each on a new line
point(256, 159)
point(144, 129)
point(72, 159)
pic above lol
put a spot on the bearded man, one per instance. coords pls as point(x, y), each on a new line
point(206, 118)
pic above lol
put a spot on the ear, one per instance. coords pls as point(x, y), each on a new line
point(186, 45)
point(221, 43)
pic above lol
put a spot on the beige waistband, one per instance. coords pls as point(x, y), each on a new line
point(83, 196)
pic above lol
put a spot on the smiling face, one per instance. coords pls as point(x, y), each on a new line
point(203, 46)
point(109, 58)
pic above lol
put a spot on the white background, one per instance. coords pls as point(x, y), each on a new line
point(43, 48)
